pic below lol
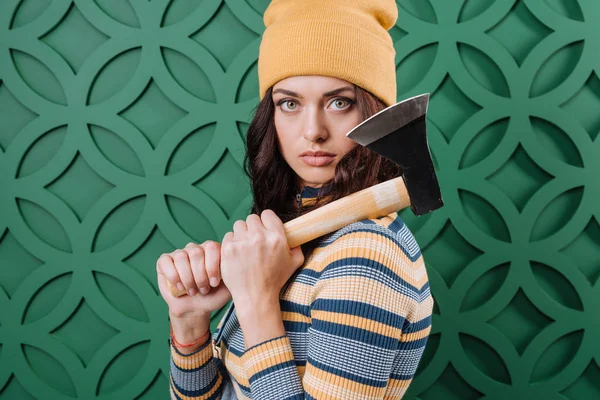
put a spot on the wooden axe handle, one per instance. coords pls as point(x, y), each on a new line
point(373, 202)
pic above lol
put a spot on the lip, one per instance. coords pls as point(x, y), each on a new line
point(317, 154)
point(317, 161)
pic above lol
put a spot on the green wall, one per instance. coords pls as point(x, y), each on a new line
point(121, 137)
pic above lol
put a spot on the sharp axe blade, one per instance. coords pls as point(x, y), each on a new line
point(399, 134)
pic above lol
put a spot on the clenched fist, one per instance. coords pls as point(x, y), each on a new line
point(197, 269)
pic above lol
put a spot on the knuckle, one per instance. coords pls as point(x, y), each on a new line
point(266, 212)
point(274, 240)
point(211, 272)
point(187, 283)
point(201, 281)
point(161, 259)
point(211, 265)
point(257, 238)
point(227, 238)
point(211, 245)
point(196, 252)
point(227, 248)
point(178, 254)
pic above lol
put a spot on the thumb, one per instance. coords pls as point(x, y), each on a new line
point(297, 256)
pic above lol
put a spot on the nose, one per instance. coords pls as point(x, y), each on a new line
point(315, 126)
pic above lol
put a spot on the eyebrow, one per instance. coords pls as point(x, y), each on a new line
point(326, 94)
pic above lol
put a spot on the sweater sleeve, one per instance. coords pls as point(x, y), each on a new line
point(196, 375)
point(371, 316)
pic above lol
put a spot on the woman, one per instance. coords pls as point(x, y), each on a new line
point(348, 315)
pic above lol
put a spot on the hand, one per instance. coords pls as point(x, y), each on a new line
point(193, 267)
point(256, 260)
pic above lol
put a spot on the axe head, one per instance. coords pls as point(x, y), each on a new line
point(398, 133)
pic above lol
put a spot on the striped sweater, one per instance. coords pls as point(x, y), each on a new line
point(357, 316)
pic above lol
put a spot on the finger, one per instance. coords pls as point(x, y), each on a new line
point(226, 246)
point(182, 264)
point(196, 256)
point(228, 237)
point(165, 266)
point(272, 222)
point(212, 261)
point(297, 256)
point(254, 223)
point(239, 229)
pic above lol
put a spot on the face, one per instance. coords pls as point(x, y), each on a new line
point(313, 114)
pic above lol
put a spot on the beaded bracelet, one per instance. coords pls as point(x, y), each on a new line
point(179, 345)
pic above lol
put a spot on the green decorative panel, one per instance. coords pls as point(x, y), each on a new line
point(122, 137)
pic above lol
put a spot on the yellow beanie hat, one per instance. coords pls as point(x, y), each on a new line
point(345, 39)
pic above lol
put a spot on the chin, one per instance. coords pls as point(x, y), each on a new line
point(317, 178)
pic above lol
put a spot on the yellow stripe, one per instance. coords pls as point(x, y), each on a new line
point(205, 396)
point(373, 245)
point(399, 383)
point(414, 336)
point(266, 355)
point(320, 385)
point(235, 367)
point(296, 291)
point(351, 288)
point(358, 322)
point(295, 317)
point(193, 361)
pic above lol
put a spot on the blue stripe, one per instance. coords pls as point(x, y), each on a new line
point(231, 349)
point(344, 374)
point(400, 377)
point(404, 250)
point(243, 388)
point(389, 233)
point(266, 341)
point(368, 221)
point(310, 273)
point(300, 363)
point(295, 397)
point(424, 292)
point(346, 262)
point(397, 224)
point(292, 326)
point(196, 369)
point(175, 394)
point(420, 325)
point(359, 309)
point(413, 345)
point(271, 369)
point(354, 333)
point(291, 306)
point(309, 192)
point(199, 392)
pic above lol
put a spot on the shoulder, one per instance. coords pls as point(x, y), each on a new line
point(383, 246)
point(388, 234)
point(374, 261)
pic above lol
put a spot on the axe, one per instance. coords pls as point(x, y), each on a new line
point(398, 133)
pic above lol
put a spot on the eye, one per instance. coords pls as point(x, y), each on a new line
point(291, 104)
point(342, 102)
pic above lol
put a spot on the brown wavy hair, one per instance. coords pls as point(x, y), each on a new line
point(274, 183)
